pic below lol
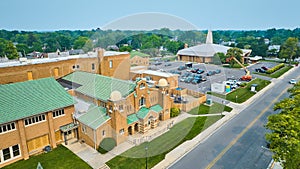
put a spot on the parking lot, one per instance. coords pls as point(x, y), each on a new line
point(203, 86)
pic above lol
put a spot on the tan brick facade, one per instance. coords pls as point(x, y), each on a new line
point(58, 68)
point(139, 61)
point(197, 59)
point(36, 135)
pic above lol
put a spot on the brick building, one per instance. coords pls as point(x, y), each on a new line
point(33, 114)
point(139, 61)
point(122, 108)
point(107, 63)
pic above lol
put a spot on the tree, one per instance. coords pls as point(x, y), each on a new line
point(8, 49)
point(174, 46)
point(125, 48)
point(284, 137)
point(88, 46)
point(80, 42)
point(23, 48)
point(235, 52)
point(288, 49)
point(219, 58)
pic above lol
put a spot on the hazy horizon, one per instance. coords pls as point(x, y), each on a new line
point(45, 15)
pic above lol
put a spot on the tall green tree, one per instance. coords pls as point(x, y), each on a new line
point(80, 42)
point(288, 49)
point(235, 52)
point(284, 137)
point(7, 49)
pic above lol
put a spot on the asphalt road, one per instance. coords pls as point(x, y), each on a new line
point(240, 143)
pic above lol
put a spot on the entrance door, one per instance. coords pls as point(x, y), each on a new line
point(69, 134)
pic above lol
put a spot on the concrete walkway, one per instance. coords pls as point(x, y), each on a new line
point(97, 160)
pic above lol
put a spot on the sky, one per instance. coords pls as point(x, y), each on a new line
point(50, 15)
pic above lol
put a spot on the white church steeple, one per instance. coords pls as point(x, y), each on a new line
point(209, 38)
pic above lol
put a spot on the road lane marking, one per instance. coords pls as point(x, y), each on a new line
point(211, 164)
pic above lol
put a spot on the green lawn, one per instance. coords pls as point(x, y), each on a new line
point(134, 53)
point(187, 129)
point(278, 73)
point(58, 158)
point(215, 108)
point(242, 94)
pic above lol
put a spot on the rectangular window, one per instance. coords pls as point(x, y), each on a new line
point(6, 154)
point(16, 150)
point(77, 66)
point(103, 132)
point(110, 64)
point(93, 66)
point(58, 113)
point(7, 127)
point(73, 67)
point(34, 119)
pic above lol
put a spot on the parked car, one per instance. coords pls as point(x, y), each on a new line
point(210, 73)
point(196, 81)
point(186, 74)
point(177, 72)
point(260, 70)
point(293, 81)
point(194, 70)
point(182, 79)
point(181, 67)
point(218, 71)
point(197, 76)
point(157, 63)
point(188, 79)
point(168, 64)
point(200, 71)
point(265, 68)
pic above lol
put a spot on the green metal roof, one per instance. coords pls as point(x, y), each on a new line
point(94, 117)
point(132, 118)
point(143, 112)
point(157, 108)
point(98, 86)
point(24, 99)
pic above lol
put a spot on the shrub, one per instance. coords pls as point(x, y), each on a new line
point(243, 84)
point(106, 145)
point(275, 68)
point(175, 111)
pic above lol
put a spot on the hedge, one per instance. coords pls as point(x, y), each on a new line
point(275, 68)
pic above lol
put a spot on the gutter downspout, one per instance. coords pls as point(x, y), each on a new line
point(95, 140)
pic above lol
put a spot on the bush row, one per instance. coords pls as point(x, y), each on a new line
point(275, 68)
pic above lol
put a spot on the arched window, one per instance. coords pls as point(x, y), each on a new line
point(142, 101)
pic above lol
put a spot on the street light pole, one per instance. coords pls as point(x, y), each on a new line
point(236, 98)
point(146, 149)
